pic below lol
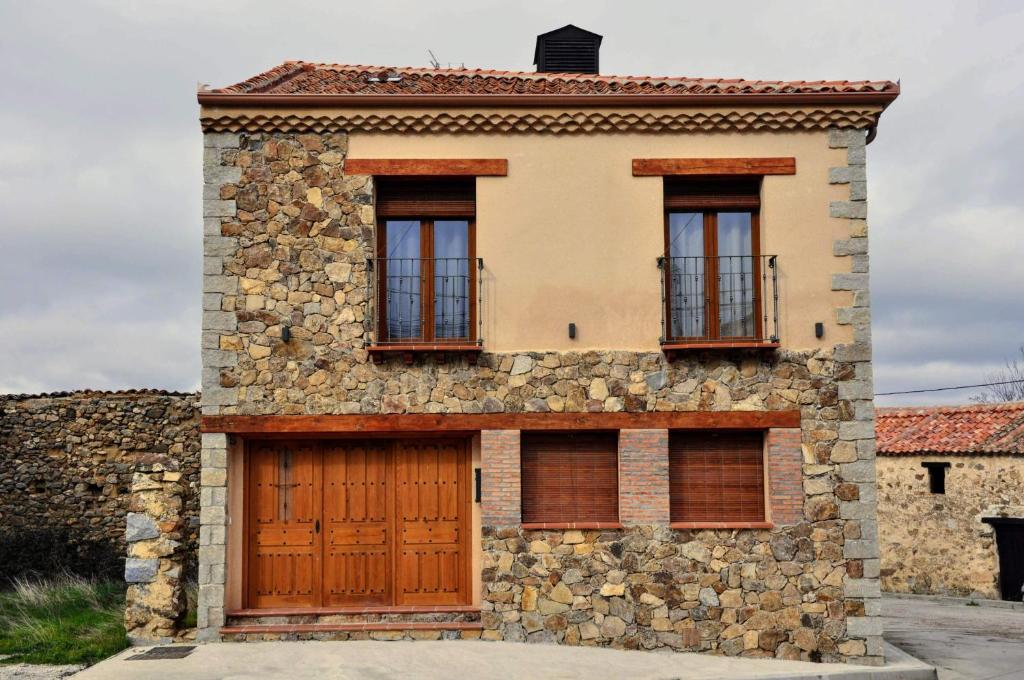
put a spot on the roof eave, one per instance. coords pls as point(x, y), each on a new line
point(234, 99)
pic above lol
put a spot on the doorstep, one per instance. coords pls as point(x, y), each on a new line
point(349, 627)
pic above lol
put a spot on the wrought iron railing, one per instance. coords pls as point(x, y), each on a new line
point(426, 300)
point(720, 299)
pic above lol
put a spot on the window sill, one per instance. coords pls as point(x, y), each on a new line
point(571, 525)
point(721, 525)
point(719, 344)
point(408, 350)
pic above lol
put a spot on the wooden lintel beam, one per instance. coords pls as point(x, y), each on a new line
point(419, 167)
point(460, 422)
point(664, 167)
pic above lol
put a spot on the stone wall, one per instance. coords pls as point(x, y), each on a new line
point(937, 543)
point(287, 235)
point(154, 569)
point(752, 593)
point(67, 460)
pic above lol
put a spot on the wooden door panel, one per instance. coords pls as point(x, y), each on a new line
point(431, 576)
point(271, 535)
point(432, 532)
point(284, 550)
point(357, 523)
point(359, 576)
point(285, 577)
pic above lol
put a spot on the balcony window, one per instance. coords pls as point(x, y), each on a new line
point(718, 287)
point(426, 273)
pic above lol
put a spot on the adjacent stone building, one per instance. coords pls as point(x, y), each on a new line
point(543, 356)
point(951, 500)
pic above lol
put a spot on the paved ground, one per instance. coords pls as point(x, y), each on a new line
point(465, 660)
point(981, 643)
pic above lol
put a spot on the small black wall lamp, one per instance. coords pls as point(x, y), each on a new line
point(572, 331)
point(819, 330)
point(286, 333)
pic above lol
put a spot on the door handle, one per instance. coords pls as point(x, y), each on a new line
point(316, 526)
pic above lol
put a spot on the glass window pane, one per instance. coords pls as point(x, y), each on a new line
point(451, 279)
point(402, 279)
point(686, 281)
point(736, 284)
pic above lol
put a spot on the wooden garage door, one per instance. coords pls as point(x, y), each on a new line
point(356, 523)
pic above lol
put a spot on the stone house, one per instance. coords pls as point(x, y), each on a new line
point(546, 356)
point(951, 500)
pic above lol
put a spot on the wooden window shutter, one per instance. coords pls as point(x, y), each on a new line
point(683, 193)
point(426, 197)
point(716, 476)
point(570, 477)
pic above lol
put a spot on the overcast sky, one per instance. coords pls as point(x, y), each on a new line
point(101, 173)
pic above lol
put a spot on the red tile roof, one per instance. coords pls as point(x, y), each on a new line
point(979, 429)
point(306, 78)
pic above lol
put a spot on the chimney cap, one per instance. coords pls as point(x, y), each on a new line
point(569, 32)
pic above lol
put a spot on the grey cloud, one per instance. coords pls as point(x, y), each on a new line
point(100, 160)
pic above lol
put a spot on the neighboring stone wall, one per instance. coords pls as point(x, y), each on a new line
point(287, 236)
point(155, 601)
point(67, 460)
point(937, 543)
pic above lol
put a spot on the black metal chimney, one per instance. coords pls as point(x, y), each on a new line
point(568, 49)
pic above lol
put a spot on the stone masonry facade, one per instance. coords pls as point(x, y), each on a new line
point(67, 462)
point(287, 235)
point(937, 543)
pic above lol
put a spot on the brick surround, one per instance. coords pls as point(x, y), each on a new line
point(643, 477)
point(500, 501)
point(785, 479)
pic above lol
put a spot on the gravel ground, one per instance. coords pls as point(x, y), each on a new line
point(24, 671)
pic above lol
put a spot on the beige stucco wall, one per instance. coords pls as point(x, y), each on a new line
point(571, 236)
point(937, 543)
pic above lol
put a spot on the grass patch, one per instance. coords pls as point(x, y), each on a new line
point(191, 605)
point(63, 620)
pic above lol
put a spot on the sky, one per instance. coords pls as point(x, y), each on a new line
point(101, 159)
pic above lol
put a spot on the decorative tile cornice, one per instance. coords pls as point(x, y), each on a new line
point(532, 123)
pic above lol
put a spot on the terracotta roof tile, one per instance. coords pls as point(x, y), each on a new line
point(299, 77)
point(978, 429)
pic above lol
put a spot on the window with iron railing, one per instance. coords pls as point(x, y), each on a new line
point(426, 276)
point(716, 285)
point(426, 283)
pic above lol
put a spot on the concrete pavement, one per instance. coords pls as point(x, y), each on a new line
point(962, 641)
point(458, 660)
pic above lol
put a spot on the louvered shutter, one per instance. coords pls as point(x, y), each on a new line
point(570, 477)
point(716, 476)
point(683, 193)
point(424, 197)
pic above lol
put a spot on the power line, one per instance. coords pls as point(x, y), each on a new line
point(943, 389)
